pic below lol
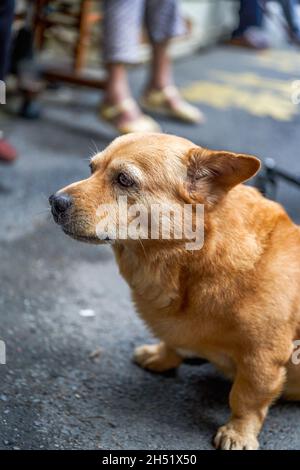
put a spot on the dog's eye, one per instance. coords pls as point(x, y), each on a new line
point(91, 167)
point(124, 180)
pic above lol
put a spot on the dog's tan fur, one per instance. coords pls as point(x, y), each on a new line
point(236, 301)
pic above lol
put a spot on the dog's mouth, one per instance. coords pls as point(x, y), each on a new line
point(69, 229)
point(85, 238)
point(80, 237)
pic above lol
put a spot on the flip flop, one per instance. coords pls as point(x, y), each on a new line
point(142, 123)
point(158, 101)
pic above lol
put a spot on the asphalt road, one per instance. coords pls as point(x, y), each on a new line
point(53, 395)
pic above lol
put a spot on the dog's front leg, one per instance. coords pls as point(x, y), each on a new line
point(156, 357)
point(257, 384)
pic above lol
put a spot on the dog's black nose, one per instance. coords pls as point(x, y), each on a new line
point(60, 203)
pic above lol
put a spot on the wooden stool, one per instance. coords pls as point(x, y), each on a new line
point(82, 22)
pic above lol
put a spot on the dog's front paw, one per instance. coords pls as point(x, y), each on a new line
point(156, 357)
point(228, 438)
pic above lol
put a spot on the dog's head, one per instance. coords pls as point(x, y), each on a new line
point(139, 174)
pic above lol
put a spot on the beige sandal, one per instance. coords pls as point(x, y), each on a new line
point(158, 101)
point(143, 123)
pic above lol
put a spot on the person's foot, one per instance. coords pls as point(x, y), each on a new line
point(253, 38)
point(169, 102)
point(8, 153)
point(126, 116)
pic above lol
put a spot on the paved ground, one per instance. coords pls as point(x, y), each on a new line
point(52, 395)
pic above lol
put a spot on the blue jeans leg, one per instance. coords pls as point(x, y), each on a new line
point(251, 14)
point(6, 19)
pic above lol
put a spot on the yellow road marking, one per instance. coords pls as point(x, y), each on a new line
point(250, 91)
point(257, 81)
point(261, 103)
point(287, 61)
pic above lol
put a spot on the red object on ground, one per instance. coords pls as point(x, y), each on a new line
point(8, 153)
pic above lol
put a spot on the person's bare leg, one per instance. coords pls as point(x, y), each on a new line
point(122, 24)
point(161, 79)
point(161, 67)
point(117, 87)
point(118, 90)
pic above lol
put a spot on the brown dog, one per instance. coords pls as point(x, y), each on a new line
point(236, 301)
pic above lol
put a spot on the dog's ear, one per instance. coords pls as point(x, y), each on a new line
point(211, 174)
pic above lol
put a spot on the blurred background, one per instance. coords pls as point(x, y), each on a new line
point(223, 73)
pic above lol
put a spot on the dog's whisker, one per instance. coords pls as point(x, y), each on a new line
point(96, 149)
point(44, 211)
